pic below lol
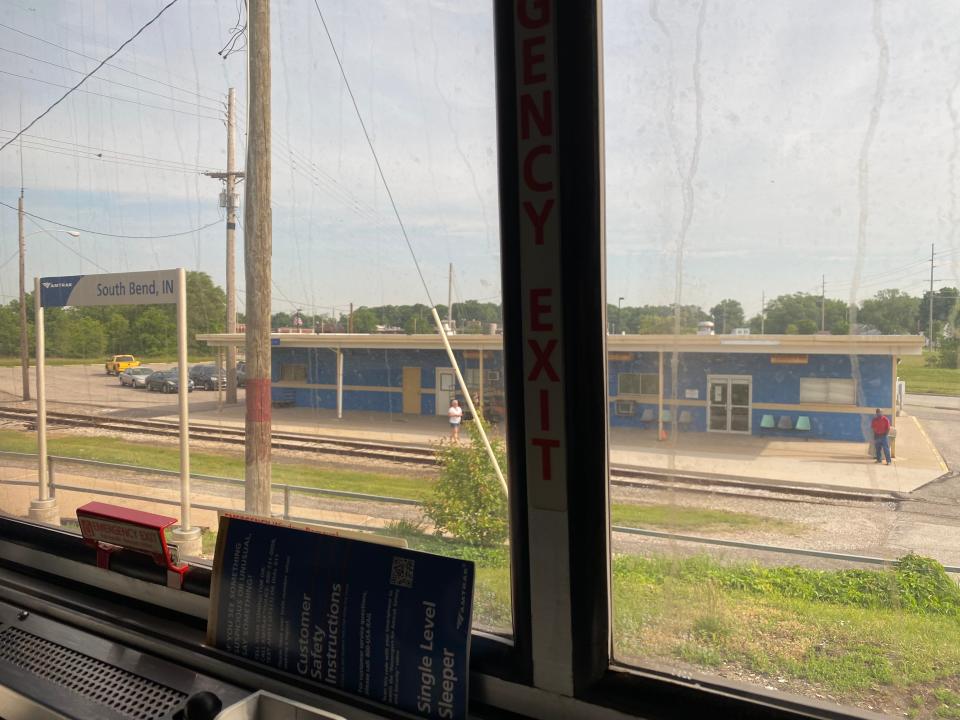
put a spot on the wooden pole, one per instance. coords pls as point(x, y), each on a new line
point(24, 342)
point(258, 246)
point(231, 244)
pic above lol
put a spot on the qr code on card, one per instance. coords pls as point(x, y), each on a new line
point(401, 572)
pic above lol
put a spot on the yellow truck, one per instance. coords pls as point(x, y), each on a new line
point(118, 363)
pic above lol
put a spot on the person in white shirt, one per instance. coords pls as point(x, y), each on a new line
point(455, 415)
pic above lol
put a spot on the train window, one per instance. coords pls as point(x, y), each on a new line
point(781, 227)
point(384, 210)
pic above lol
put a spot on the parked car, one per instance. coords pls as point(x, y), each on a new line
point(242, 373)
point(166, 381)
point(118, 363)
point(206, 377)
point(135, 377)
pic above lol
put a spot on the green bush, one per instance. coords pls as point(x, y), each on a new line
point(468, 501)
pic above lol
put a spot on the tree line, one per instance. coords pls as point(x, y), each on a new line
point(888, 312)
point(150, 330)
point(142, 330)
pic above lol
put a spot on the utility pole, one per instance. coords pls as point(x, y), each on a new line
point(24, 346)
point(930, 297)
point(763, 310)
point(229, 201)
point(450, 299)
point(258, 248)
point(350, 320)
point(823, 303)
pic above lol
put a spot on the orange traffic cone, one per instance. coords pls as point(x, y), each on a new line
point(663, 434)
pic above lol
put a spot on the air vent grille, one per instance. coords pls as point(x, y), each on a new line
point(113, 687)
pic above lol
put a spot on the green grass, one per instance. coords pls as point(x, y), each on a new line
point(874, 636)
point(922, 379)
point(230, 465)
point(685, 519)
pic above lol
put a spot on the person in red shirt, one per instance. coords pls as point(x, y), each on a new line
point(881, 435)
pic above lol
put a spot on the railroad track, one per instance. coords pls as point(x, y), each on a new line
point(234, 436)
point(625, 476)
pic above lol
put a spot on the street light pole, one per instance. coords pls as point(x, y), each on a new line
point(619, 301)
point(24, 342)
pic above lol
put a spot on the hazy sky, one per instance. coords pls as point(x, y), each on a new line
point(763, 194)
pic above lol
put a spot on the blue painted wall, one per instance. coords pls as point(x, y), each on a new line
point(771, 383)
point(372, 368)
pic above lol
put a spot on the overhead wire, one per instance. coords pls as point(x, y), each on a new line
point(113, 82)
point(85, 152)
point(67, 144)
point(113, 235)
point(102, 95)
point(91, 73)
point(86, 155)
point(110, 65)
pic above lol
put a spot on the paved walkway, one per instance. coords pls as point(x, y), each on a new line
point(804, 462)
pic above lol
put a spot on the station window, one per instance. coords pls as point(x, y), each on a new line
point(293, 372)
point(835, 391)
point(638, 383)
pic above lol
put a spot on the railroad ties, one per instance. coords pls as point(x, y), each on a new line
point(234, 436)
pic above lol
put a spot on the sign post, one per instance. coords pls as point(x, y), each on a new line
point(156, 287)
point(44, 508)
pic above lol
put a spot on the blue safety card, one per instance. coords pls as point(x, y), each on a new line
point(386, 623)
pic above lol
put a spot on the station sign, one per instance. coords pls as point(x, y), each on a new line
point(789, 359)
point(152, 287)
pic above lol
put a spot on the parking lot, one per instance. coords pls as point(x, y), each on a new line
point(88, 388)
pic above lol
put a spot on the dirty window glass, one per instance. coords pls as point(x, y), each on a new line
point(782, 217)
point(384, 210)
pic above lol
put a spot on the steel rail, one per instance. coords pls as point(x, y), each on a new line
point(624, 476)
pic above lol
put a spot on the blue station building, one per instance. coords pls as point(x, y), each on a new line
point(823, 386)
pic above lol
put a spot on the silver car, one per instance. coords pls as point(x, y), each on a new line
point(135, 377)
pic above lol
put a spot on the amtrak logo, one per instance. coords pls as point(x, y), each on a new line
point(51, 285)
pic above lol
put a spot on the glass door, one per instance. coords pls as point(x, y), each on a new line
point(729, 404)
point(719, 400)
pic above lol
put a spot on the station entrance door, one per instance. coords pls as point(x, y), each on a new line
point(729, 398)
point(446, 389)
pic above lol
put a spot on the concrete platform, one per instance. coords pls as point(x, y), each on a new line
point(820, 463)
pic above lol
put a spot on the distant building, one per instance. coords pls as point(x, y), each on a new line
point(824, 386)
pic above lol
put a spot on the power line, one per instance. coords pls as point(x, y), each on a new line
point(108, 80)
point(39, 139)
point(112, 235)
point(90, 74)
point(111, 65)
point(97, 157)
point(103, 95)
point(107, 156)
